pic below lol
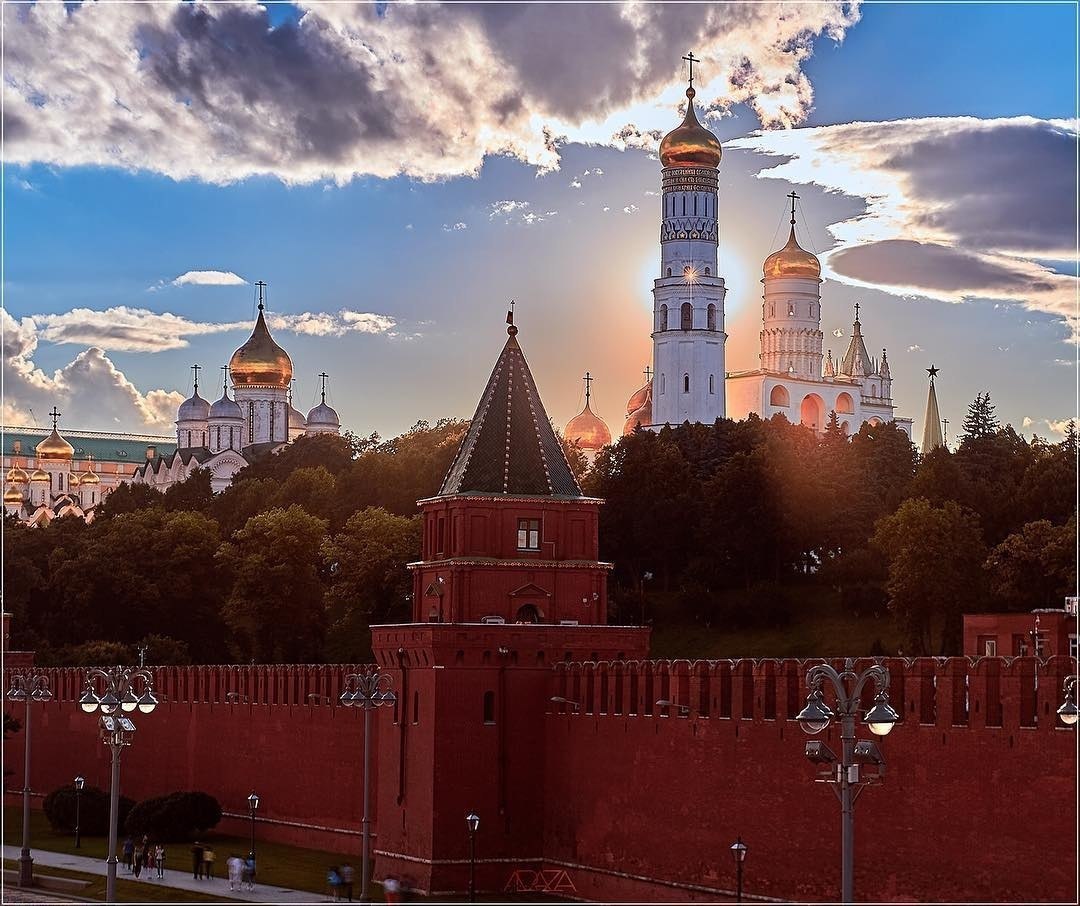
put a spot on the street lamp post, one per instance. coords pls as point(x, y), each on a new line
point(126, 689)
point(253, 804)
point(27, 687)
point(80, 782)
point(472, 822)
point(368, 690)
point(738, 853)
point(1068, 712)
point(844, 771)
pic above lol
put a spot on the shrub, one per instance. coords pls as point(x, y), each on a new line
point(177, 816)
point(59, 807)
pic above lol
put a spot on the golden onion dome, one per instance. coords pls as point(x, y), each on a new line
point(54, 447)
point(640, 397)
point(39, 476)
point(16, 475)
point(642, 415)
point(588, 430)
point(791, 261)
point(73, 480)
point(89, 477)
point(690, 144)
point(13, 497)
point(260, 361)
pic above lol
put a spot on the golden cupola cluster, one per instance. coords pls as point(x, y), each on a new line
point(260, 362)
point(690, 144)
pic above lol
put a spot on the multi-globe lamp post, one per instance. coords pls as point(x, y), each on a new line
point(125, 690)
point(29, 688)
point(845, 770)
point(368, 690)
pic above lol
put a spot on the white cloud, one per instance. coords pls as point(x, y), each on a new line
point(915, 348)
point(948, 204)
point(209, 278)
point(838, 332)
point(517, 212)
point(1058, 426)
point(630, 209)
point(1027, 422)
point(454, 227)
point(211, 92)
point(575, 183)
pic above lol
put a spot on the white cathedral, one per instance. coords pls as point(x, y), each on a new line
point(688, 381)
point(258, 419)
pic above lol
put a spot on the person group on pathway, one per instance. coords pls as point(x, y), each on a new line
point(241, 872)
point(144, 856)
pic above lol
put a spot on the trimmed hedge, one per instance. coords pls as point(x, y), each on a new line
point(59, 808)
point(175, 817)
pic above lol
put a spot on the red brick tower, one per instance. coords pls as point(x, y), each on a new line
point(510, 537)
point(510, 534)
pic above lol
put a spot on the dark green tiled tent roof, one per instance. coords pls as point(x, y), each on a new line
point(103, 447)
point(510, 447)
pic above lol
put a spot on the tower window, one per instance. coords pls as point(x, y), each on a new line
point(712, 383)
point(663, 382)
point(251, 422)
point(663, 312)
point(669, 271)
point(791, 311)
point(528, 535)
point(708, 272)
point(489, 707)
point(687, 316)
point(686, 383)
point(712, 315)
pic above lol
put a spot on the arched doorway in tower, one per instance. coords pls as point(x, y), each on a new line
point(845, 405)
point(528, 613)
point(812, 412)
point(875, 422)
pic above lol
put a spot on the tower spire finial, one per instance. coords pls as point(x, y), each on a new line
point(323, 376)
point(262, 285)
point(225, 379)
point(648, 373)
point(512, 330)
point(857, 307)
point(691, 59)
point(195, 369)
point(55, 414)
point(793, 198)
point(588, 387)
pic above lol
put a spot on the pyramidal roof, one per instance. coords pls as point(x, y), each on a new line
point(856, 361)
point(510, 447)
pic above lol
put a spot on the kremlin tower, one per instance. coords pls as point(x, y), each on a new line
point(931, 437)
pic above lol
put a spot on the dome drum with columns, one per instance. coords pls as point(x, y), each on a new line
point(258, 418)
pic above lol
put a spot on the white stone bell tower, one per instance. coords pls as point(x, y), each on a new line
point(688, 296)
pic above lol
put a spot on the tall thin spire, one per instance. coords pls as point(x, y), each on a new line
point(932, 438)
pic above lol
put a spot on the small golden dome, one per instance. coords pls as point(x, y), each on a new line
point(39, 475)
point(588, 430)
point(640, 398)
point(73, 480)
point(89, 477)
point(791, 261)
point(16, 475)
point(13, 496)
point(690, 144)
point(54, 447)
point(260, 361)
point(642, 415)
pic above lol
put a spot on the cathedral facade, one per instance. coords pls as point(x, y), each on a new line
point(259, 418)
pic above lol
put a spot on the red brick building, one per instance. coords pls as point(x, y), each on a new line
point(1044, 632)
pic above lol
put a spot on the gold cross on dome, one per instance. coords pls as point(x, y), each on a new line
point(691, 59)
point(55, 416)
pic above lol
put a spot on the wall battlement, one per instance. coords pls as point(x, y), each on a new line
point(946, 692)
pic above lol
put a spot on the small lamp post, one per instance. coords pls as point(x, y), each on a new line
point(844, 772)
point(472, 822)
point(29, 688)
point(253, 804)
point(126, 689)
point(738, 853)
point(80, 782)
point(367, 690)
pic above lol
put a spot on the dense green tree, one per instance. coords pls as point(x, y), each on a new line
point(1036, 566)
point(980, 419)
point(309, 487)
point(193, 493)
point(369, 580)
point(935, 555)
point(1047, 489)
point(244, 498)
point(275, 612)
point(128, 498)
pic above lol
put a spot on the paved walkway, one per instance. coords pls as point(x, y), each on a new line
point(177, 880)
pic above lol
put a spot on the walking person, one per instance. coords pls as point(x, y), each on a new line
point(159, 859)
point(392, 890)
point(235, 868)
point(197, 860)
point(208, 861)
point(333, 881)
point(346, 873)
point(129, 852)
point(249, 872)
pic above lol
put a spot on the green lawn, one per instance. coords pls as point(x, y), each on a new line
point(279, 865)
point(819, 627)
point(126, 891)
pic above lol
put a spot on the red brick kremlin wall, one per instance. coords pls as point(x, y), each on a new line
point(979, 800)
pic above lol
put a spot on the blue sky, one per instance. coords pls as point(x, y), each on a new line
point(388, 203)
